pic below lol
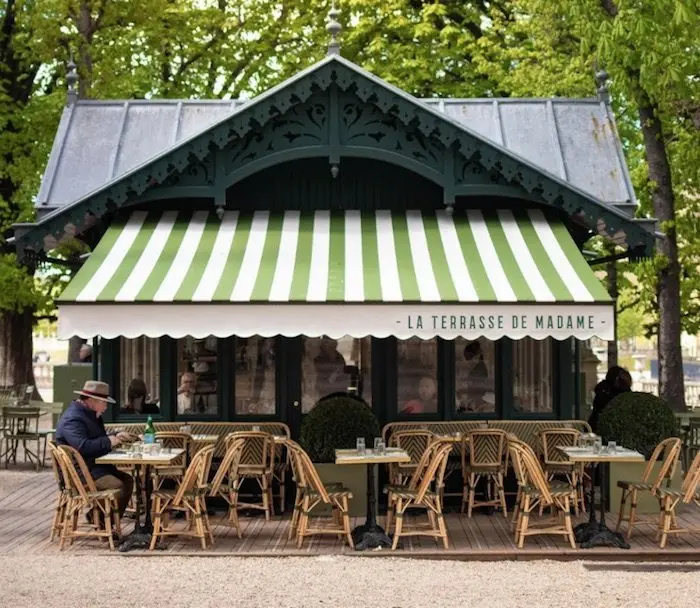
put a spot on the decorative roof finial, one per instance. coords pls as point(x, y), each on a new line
point(333, 27)
point(601, 79)
point(72, 80)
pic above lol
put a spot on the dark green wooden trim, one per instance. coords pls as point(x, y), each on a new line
point(566, 380)
point(504, 386)
point(109, 373)
point(288, 354)
point(578, 384)
point(493, 190)
point(96, 359)
point(168, 378)
point(447, 384)
point(379, 373)
point(225, 377)
point(178, 192)
point(334, 125)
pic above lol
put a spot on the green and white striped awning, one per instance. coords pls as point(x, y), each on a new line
point(473, 274)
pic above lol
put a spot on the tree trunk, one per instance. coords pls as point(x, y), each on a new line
point(16, 349)
point(671, 387)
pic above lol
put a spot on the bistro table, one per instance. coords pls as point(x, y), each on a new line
point(140, 538)
point(370, 535)
point(596, 533)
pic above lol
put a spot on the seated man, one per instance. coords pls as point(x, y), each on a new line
point(185, 393)
point(81, 427)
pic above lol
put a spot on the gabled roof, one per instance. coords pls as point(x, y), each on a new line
point(109, 149)
point(574, 139)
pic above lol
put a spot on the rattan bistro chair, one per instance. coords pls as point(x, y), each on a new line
point(670, 450)
point(256, 463)
point(423, 497)
point(226, 482)
point(314, 494)
point(84, 496)
point(556, 464)
point(484, 455)
point(670, 499)
point(536, 491)
point(190, 498)
point(62, 496)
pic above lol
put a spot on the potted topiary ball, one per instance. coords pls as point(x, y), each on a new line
point(335, 423)
point(638, 421)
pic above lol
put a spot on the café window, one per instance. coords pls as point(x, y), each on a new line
point(532, 376)
point(475, 376)
point(416, 376)
point(335, 366)
point(139, 376)
point(255, 376)
point(197, 367)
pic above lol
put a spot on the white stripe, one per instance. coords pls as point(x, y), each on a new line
point(286, 258)
point(566, 271)
point(422, 263)
point(386, 251)
point(147, 262)
point(320, 252)
point(183, 258)
point(354, 271)
point(489, 257)
point(114, 258)
point(216, 264)
point(250, 266)
point(455, 259)
point(524, 258)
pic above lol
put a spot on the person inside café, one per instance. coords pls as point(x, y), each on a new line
point(618, 380)
point(426, 403)
point(329, 367)
point(138, 399)
point(85, 355)
point(186, 393)
point(81, 427)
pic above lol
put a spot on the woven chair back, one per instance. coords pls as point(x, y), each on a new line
point(175, 440)
point(56, 466)
point(258, 449)
point(487, 447)
point(534, 472)
point(435, 471)
point(670, 450)
point(194, 473)
point(414, 443)
point(553, 439)
point(75, 472)
point(308, 471)
point(229, 465)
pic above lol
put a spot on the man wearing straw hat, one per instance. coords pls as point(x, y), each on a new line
point(82, 428)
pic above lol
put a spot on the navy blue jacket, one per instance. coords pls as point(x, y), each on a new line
point(82, 429)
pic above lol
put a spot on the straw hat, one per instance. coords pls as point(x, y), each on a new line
point(96, 390)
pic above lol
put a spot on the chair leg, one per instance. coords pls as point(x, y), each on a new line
point(303, 522)
point(633, 513)
point(399, 524)
point(502, 495)
point(524, 520)
point(108, 523)
point(666, 522)
point(207, 524)
point(346, 523)
point(442, 528)
point(472, 490)
point(157, 514)
point(567, 523)
point(621, 513)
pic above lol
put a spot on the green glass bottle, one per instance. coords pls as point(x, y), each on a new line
point(149, 433)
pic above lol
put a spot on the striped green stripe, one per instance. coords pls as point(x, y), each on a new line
point(438, 258)
point(199, 262)
point(370, 259)
point(268, 264)
point(336, 259)
point(515, 277)
point(477, 270)
point(232, 268)
point(404, 260)
point(302, 264)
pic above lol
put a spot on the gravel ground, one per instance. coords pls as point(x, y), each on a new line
point(337, 582)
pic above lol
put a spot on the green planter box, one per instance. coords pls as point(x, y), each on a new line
point(353, 477)
point(633, 471)
point(66, 379)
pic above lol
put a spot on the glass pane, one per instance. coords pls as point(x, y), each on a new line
point(335, 366)
point(139, 376)
point(255, 376)
point(197, 376)
point(416, 376)
point(532, 375)
point(475, 365)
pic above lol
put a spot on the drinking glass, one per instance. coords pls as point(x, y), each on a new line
point(597, 445)
point(256, 429)
point(612, 447)
point(360, 445)
point(378, 445)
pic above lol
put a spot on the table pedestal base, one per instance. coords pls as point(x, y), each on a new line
point(370, 536)
point(596, 534)
point(135, 540)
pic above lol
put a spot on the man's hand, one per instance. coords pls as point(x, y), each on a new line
point(125, 437)
point(114, 440)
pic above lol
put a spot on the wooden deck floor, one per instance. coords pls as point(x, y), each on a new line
point(26, 510)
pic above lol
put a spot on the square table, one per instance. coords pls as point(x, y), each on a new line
point(370, 535)
point(140, 538)
point(594, 533)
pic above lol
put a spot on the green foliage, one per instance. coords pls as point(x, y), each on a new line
point(638, 421)
point(335, 423)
